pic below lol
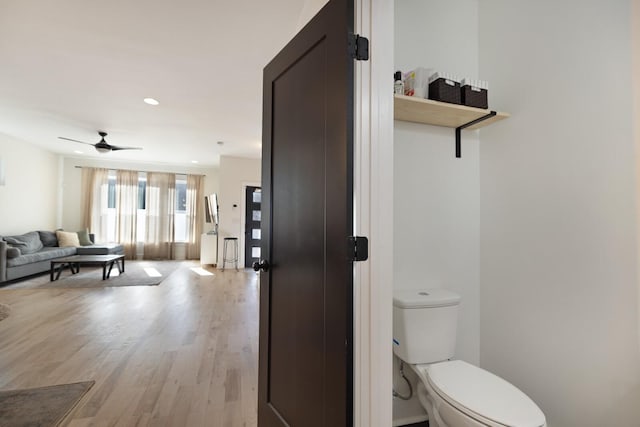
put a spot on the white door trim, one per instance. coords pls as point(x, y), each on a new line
point(373, 217)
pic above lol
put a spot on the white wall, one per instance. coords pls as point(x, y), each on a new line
point(436, 223)
point(309, 10)
point(559, 259)
point(235, 174)
point(29, 198)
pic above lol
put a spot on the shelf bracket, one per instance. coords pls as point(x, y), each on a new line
point(466, 125)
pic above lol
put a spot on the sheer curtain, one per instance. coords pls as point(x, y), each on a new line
point(195, 209)
point(95, 214)
point(160, 208)
point(127, 210)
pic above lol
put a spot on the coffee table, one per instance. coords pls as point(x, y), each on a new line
point(74, 262)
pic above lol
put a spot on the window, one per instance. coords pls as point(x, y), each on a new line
point(181, 193)
point(141, 220)
point(180, 233)
point(142, 192)
point(111, 207)
point(180, 230)
point(111, 192)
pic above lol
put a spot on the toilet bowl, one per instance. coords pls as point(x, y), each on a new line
point(454, 393)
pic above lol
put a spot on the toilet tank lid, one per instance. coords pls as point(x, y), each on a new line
point(422, 298)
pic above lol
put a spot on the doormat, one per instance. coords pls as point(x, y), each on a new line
point(42, 406)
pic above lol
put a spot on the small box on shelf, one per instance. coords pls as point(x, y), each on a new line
point(474, 93)
point(416, 82)
point(444, 88)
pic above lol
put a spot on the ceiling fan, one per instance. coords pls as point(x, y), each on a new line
point(103, 146)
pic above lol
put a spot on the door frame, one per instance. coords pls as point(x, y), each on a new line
point(373, 169)
point(243, 219)
point(373, 194)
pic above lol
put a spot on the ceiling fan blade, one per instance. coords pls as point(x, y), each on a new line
point(75, 140)
point(103, 146)
point(116, 148)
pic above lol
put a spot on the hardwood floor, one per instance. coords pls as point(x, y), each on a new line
point(184, 353)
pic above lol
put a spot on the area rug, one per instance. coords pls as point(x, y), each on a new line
point(137, 273)
point(5, 310)
point(42, 406)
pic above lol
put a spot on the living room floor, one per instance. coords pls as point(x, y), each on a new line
point(183, 353)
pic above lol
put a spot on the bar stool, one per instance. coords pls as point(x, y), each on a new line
point(233, 256)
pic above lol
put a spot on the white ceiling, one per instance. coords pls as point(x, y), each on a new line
point(73, 67)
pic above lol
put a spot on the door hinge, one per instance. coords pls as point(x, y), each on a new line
point(358, 47)
point(358, 248)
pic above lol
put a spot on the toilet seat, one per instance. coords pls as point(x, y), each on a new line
point(481, 395)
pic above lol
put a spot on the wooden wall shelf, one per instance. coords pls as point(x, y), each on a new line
point(427, 111)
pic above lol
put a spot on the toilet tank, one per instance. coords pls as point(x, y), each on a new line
point(424, 325)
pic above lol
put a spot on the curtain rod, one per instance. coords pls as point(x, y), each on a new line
point(135, 170)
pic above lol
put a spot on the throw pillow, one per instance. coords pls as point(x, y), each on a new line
point(27, 243)
point(67, 239)
point(83, 238)
point(13, 252)
point(48, 238)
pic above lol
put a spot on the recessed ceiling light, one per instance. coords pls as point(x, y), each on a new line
point(78, 152)
point(151, 101)
point(194, 161)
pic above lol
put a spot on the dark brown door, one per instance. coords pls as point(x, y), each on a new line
point(305, 368)
point(252, 231)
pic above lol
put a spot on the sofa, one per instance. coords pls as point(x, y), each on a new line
point(30, 253)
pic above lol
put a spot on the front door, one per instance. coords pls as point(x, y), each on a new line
point(252, 232)
point(306, 314)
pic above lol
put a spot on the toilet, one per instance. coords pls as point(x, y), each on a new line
point(452, 392)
